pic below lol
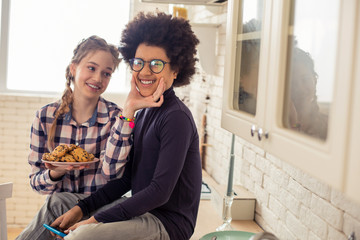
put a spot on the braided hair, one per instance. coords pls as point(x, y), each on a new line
point(86, 46)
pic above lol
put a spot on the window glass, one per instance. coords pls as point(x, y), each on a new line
point(310, 70)
point(247, 56)
point(44, 33)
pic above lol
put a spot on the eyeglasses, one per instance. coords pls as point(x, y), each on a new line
point(155, 65)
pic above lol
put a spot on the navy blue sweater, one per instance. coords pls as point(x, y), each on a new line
point(163, 172)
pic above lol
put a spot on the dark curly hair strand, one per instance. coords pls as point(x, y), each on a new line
point(170, 33)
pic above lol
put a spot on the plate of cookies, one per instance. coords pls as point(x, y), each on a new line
point(68, 155)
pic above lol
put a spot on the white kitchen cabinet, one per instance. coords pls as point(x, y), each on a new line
point(239, 118)
point(353, 164)
point(302, 107)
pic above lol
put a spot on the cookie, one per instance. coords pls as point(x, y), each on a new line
point(48, 157)
point(60, 151)
point(80, 155)
point(68, 153)
point(68, 158)
point(72, 147)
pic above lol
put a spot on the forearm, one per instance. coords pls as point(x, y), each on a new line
point(56, 176)
point(42, 179)
point(117, 148)
point(112, 191)
point(42, 183)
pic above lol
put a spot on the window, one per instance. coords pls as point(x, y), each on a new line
point(311, 66)
point(42, 35)
point(248, 53)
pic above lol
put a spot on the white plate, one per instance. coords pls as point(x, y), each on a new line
point(70, 163)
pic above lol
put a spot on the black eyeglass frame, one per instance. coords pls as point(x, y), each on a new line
point(131, 62)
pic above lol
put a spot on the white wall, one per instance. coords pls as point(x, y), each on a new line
point(16, 116)
point(290, 203)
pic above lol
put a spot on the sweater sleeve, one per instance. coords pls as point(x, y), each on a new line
point(110, 192)
point(39, 177)
point(175, 132)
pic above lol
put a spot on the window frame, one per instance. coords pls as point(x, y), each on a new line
point(4, 37)
point(4, 56)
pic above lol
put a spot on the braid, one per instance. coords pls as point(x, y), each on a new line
point(91, 44)
point(66, 100)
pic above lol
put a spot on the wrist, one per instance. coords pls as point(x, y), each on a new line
point(76, 209)
point(128, 114)
point(55, 176)
point(93, 220)
point(130, 120)
point(128, 109)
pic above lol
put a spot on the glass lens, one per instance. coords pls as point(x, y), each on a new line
point(137, 64)
point(311, 60)
point(247, 56)
point(156, 65)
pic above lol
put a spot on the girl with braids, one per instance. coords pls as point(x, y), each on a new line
point(164, 168)
point(84, 118)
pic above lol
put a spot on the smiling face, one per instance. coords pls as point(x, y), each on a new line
point(146, 80)
point(92, 74)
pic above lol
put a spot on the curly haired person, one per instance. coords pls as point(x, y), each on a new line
point(164, 168)
point(83, 117)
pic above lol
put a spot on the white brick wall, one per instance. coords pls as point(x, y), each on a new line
point(290, 203)
point(16, 116)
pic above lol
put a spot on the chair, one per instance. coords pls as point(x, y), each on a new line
point(5, 192)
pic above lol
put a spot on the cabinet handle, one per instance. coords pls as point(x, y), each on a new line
point(261, 133)
point(252, 130)
point(352, 236)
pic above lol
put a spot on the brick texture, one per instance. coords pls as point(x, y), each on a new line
point(290, 203)
point(17, 113)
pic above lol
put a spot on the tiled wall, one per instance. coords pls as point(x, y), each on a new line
point(16, 116)
point(290, 203)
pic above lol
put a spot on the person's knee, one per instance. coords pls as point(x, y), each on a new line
point(56, 197)
point(59, 203)
point(88, 231)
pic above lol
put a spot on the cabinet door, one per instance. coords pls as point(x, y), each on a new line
point(352, 188)
point(309, 84)
point(245, 68)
